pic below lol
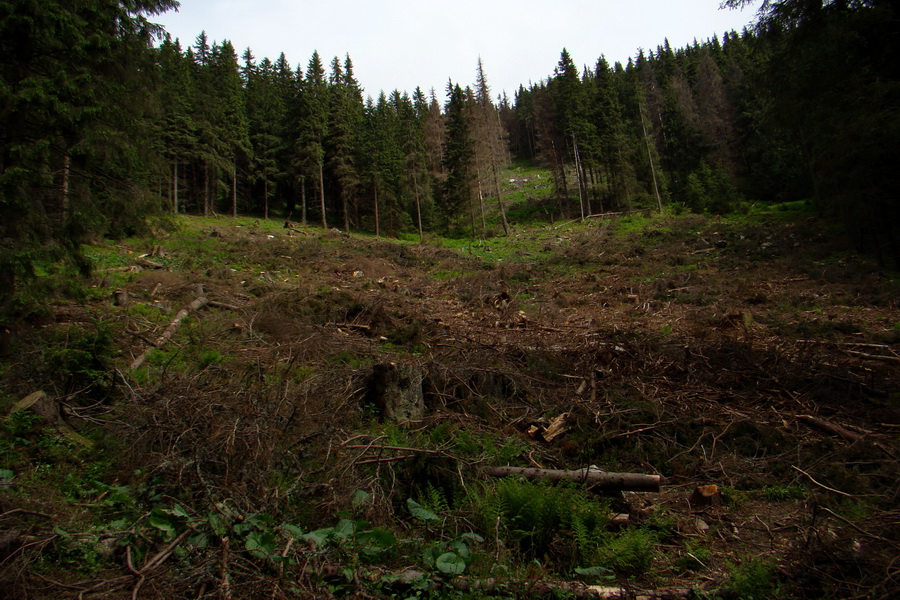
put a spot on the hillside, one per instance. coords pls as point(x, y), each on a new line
point(319, 420)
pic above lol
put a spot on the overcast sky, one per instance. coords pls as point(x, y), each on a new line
point(401, 44)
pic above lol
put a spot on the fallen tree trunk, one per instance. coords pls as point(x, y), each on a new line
point(823, 425)
point(608, 482)
point(517, 588)
point(170, 330)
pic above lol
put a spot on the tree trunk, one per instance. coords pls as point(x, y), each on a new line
point(650, 158)
point(607, 482)
point(206, 189)
point(481, 207)
point(418, 208)
point(175, 188)
point(266, 199)
point(234, 189)
point(346, 207)
point(578, 176)
point(375, 206)
point(322, 193)
point(500, 198)
point(170, 330)
point(303, 201)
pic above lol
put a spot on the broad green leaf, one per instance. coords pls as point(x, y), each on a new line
point(377, 538)
point(292, 530)
point(420, 512)
point(460, 548)
point(199, 540)
point(261, 543)
point(320, 536)
point(178, 511)
point(360, 497)
point(344, 529)
point(164, 523)
point(602, 572)
point(451, 563)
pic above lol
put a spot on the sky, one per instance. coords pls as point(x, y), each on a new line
point(401, 44)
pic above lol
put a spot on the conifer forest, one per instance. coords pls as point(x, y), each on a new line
point(630, 332)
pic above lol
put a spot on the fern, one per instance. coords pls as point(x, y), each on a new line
point(435, 500)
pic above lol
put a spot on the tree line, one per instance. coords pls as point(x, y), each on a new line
point(248, 136)
point(105, 120)
point(802, 106)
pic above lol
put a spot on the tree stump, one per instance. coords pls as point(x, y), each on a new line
point(396, 390)
point(705, 495)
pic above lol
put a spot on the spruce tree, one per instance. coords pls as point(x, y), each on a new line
point(76, 152)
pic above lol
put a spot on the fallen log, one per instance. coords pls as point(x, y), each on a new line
point(823, 425)
point(608, 482)
point(170, 330)
point(519, 588)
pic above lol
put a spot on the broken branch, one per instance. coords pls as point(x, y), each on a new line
point(612, 482)
point(170, 330)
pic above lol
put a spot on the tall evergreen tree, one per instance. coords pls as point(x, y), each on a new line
point(458, 159)
point(344, 134)
point(313, 128)
point(74, 105)
point(177, 130)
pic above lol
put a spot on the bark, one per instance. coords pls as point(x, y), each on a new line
point(822, 425)
point(375, 206)
point(650, 158)
point(419, 210)
point(322, 193)
point(500, 198)
point(175, 188)
point(519, 588)
point(234, 191)
point(303, 201)
point(170, 330)
point(612, 482)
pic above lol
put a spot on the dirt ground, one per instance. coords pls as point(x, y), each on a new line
point(748, 354)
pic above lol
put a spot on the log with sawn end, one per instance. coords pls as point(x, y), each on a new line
point(596, 479)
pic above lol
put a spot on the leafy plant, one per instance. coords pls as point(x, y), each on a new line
point(628, 553)
point(532, 515)
point(752, 579)
point(453, 556)
point(777, 493)
point(354, 540)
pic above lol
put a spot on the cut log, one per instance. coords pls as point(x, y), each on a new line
point(120, 297)
point(601, 480)
point(822, 425)
point(557, 428)
point(705, 495)
point(170, 330)
point(150, 264)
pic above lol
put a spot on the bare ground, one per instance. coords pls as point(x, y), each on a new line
point(707, 351)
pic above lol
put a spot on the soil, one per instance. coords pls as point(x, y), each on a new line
point(695, 348)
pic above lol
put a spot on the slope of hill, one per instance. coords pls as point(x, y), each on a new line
point(244, 410)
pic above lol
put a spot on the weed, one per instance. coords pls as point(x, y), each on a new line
point(345, 357)
point(537, 517)
point(80, 357)
point(84, 555)
point(629, 553)
point(488, 447)
point(734, 497)
point(695, 557)
point(753, 579)
point(777, 493)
